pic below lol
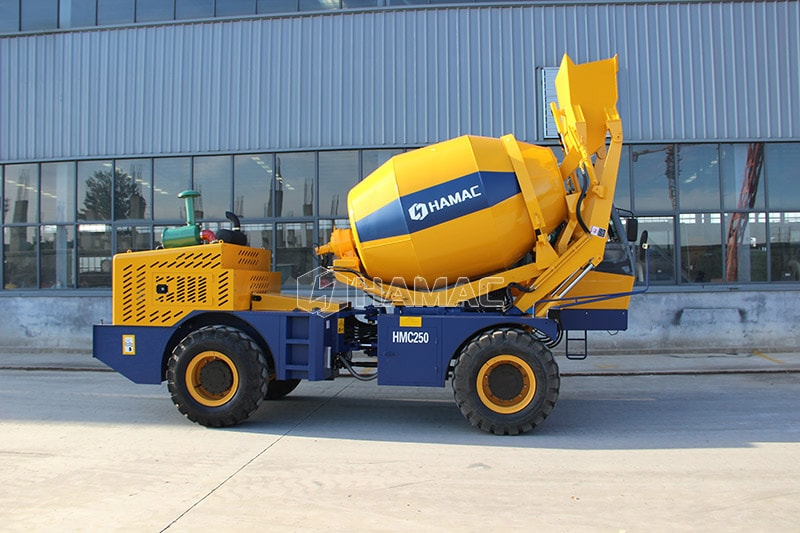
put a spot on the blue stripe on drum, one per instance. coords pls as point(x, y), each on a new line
point(438, 204)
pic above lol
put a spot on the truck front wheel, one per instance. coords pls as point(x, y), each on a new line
point(217, 376)
point(505, 381)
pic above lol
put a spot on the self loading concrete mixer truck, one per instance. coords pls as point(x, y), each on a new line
point(480, 254)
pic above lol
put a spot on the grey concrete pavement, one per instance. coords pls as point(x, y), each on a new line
point(92, 451)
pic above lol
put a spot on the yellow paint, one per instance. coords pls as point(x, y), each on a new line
point(768, 358)
point(410, 321)
point(285, 302)
point(340, 326)
point(506, 406)
point(194, 383)
point(449, 263)
point(160, 287)
point(129, 345)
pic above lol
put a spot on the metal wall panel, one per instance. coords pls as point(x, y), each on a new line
point(690, 71)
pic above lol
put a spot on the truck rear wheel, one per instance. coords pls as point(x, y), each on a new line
point(505, 381)
point(217, 376)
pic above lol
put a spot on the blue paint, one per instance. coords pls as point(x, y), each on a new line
point(438, 204)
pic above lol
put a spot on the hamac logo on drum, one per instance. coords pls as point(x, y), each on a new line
point(418, 211)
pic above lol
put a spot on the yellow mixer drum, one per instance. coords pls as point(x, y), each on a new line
point(451, 210)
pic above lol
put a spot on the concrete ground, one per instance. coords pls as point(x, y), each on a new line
point(651, 443)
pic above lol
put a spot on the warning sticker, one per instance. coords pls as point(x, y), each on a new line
point(129, 345)
point(598, 231)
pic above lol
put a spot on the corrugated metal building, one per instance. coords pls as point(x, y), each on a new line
point(274, 109)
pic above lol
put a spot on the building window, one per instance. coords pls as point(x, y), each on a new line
point(77, 13)
point(39, 15)
point(372, 159)
point(63, 221)
point(95, 180)
point(94, 255)
point(784, 243)
point(745, 247)
point(742, 169)
point(294, 184)
point(653, 172)
point(21, 193)
point(252, 181)
point(154, 10)
point(57, 250)
point(20, 255)
point(115, 11)
point(338, 173)
point(701, 247)
point(698, 177)
point(133, 186)
point(171, 175)
point(194, 9)
point(228, 8)
point(9, 15)
point(57, 194)
point(276, 6)
point(782, 161)
point(213, 179)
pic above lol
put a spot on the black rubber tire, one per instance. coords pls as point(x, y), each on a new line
point(227, 371)
point(504, 360)
point(278, 388)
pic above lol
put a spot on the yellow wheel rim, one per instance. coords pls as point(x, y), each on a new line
point(211, 378)
point(506, 384)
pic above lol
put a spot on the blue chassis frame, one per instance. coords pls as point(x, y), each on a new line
point(303, 345)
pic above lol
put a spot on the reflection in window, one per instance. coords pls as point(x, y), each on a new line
point(94, 255)
point(661, 238)
point(252, 177)
point(653, 171)
point(134, 238)
point(372, 159)
point(19, 257)
point(698, 176)
point(170, 176)
point(746, 247)
point(132, 189)
point(784, 239)
point(701, 248)
point(21, 191)
point(154, 10)
point(115, 11)
point(782, 161)
point(318, 5)
point(77, 13)
point(294, 255)
point(294, 184)
point(94, 190)
point(259, 235)
point(57, 248)
point(742, 167)
point(39, 14)
point(622, 194)
point(213, 180)
point(57, 201)
point(338, 172)
point(326, 228)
